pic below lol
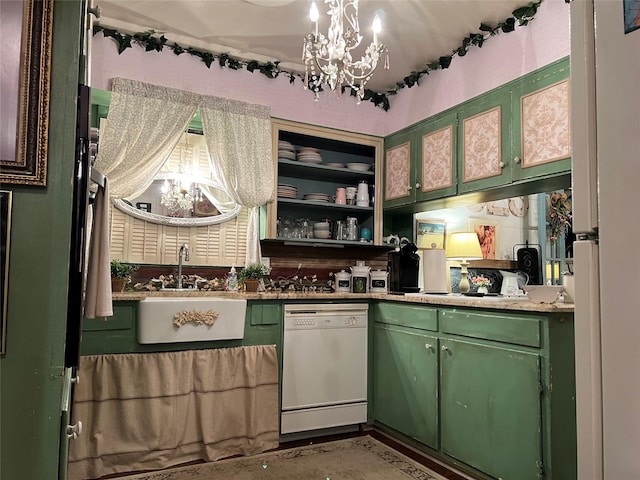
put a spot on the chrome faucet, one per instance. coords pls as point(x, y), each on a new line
point(184, 248)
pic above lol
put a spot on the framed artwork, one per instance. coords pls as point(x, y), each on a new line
point(631, 15)
point(24, 87)
point(487, 232)
point(429, 232)
point(5, 235)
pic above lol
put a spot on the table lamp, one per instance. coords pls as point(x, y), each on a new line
point(463, 246)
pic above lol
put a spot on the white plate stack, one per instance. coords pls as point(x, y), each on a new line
point(316, 197)
point(287, 191)
point(309, 155)
point(286, 150)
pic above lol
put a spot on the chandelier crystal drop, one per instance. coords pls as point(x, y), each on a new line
point(328, 59)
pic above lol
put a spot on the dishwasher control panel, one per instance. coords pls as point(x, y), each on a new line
point(325, 316)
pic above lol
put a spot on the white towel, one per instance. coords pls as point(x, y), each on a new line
point(98, 302)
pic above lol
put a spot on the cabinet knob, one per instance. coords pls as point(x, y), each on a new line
point(501, 164)
point(409, 188)
point(445, 348)
point(428, 346)
point(418, 186)
point(516, 159)
point(73, 431)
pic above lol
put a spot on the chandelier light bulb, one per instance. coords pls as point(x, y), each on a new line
point(376, 26)
point(314, 14)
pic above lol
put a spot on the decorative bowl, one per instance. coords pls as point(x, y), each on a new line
point(543, 293)
point(362, 167)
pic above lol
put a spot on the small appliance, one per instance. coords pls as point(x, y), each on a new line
point(404, 265)
point(528, 258)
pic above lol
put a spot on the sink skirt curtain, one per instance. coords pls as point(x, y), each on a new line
point(155, 410)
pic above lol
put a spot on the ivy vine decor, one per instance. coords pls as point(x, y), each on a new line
point(154, 43)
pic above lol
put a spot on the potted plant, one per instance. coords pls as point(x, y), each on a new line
point(251, 275)
point(121, 274)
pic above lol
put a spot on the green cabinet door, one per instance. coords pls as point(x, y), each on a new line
point(484, 141)
point(491, 408)
point(405, 378)
point(400, 150)
point(435, 166)
point(541, 141)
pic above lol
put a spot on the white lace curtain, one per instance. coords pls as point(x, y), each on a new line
point(238, 137)
point(145, 123)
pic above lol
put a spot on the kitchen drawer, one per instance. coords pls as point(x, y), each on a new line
point(407, 315)
point(512, 328)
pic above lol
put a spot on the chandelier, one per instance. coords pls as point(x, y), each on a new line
point(328, 59)
point(178, 194)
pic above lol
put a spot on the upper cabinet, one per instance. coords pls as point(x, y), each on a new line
point(484, 149)
point(512, 134)
point(312, 164)
point(517, 132)
point(420, 162)
point(541, 111)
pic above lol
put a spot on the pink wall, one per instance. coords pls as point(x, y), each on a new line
point(502, 58)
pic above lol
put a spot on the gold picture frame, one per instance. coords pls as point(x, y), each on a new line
point(429, 232)
point(27, 85)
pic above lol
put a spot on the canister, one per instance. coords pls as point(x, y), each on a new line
point(343, 282)
point(360, 278)
point(378, 282)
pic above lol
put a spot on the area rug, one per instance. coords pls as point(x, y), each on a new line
point(361, 458)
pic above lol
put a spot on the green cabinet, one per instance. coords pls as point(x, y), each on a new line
point(399, 168)
point(484, 145)
point(420, 162)
point(490, 408)
point(405, 387)
point(489, 390)
point(517, 132)
point(541, 128)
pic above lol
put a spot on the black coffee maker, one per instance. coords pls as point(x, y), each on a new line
point(404, 264)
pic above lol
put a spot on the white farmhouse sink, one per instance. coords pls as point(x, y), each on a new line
point(156, 315)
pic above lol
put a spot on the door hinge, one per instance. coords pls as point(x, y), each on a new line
point(541, 472)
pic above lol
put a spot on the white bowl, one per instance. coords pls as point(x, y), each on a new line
point(543, 293)
point(324, 234)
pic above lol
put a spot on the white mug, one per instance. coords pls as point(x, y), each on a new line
point(351, 195)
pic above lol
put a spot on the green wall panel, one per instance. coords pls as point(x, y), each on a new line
point(31, 370)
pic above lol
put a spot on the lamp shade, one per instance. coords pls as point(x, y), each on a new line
point(463, 246)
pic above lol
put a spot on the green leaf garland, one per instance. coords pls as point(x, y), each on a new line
point(149, 40)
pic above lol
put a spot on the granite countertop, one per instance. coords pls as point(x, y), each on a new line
point(450, 300)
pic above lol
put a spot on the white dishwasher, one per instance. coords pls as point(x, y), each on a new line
point(324, 371)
